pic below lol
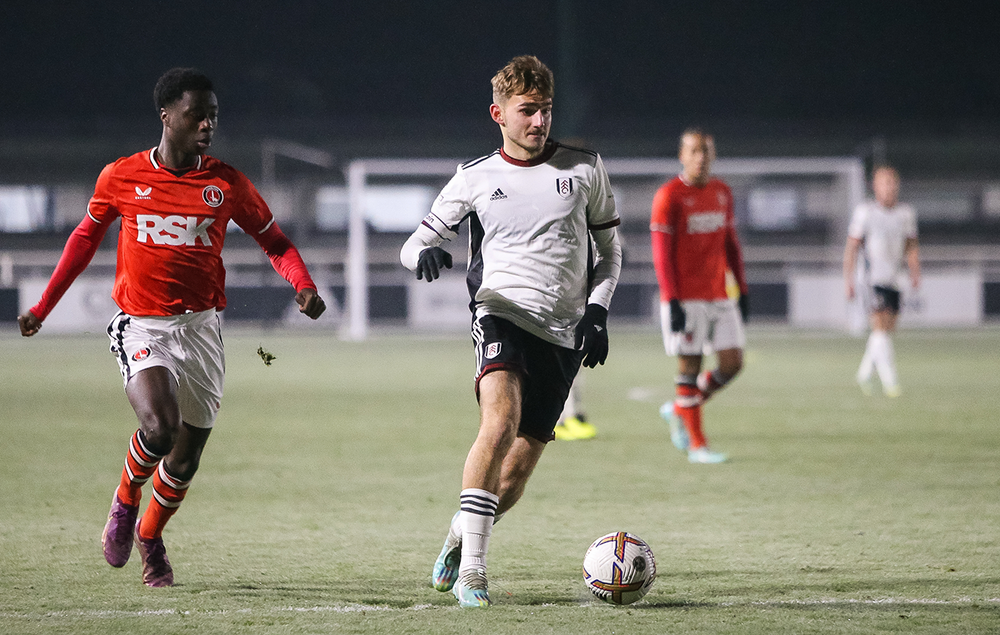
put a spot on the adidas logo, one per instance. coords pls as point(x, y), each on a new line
point(498, 195)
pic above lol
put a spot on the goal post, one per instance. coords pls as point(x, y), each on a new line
point(847, 174)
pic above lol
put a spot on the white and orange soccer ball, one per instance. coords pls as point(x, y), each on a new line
point(619, 568)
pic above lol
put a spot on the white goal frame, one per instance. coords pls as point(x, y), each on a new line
point(851, 169)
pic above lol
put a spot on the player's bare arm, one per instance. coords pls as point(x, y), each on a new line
point(913, 261)
point(850, 260)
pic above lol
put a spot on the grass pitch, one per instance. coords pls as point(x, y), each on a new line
point(327, 486)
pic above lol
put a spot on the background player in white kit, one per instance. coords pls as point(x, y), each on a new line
point(888, 231)
point(539, 306)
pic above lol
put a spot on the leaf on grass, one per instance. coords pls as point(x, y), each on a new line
point(265, 356)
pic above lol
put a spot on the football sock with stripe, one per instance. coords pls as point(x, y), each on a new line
point(168, 492)
point(455, 529)
point(140, 464)
point(687, 406)
point(710, 382)
point(476, 513)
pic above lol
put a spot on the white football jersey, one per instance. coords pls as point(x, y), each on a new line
point(884, 233)
point(530, 231)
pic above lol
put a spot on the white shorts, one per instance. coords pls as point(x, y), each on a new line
point(709, 327)
point(188, 345)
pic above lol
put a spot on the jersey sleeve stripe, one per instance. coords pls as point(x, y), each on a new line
point(266, 227)
point(92, 217)
point(472, 162)
point(658, 227)
point(439, 227)
point(608, 225)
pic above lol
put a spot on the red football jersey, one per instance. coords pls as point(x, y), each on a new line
point(172, 230)
point(694, 240)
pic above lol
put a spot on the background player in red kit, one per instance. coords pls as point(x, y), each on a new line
point(694, 243)
point(174, 203)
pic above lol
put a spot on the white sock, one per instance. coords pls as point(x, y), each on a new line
point(868, 360)
point(478, 508)
point(455, 529)
point(884, 358)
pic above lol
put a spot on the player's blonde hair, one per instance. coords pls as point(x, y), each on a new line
point(522, 75)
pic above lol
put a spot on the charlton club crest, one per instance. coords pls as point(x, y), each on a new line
point(564, 187)
point(212, 196)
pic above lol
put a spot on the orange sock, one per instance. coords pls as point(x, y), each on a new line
point(140, 463)
point(687, 405)
point(168, 492)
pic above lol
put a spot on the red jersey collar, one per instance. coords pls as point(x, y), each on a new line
point(157, 166)
point(547, 152)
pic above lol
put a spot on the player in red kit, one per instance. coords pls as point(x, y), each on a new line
point(174, 203)
point(694, 244)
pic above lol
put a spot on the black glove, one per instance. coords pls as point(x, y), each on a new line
point(678, 319)
point(431, 261)
point(744, 303)
point(592, 335)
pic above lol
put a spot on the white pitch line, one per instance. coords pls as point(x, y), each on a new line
point(371, 608)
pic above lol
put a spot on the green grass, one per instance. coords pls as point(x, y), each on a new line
point(330, 478)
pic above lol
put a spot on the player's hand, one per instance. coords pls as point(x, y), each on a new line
point(744, 304)
point(431, 261)
point(28, 323)
point(678, 319)
point(310, 303)
point(849, 289)
point(592, 335)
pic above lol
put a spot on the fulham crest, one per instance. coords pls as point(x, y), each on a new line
point(140, 354)
point(564, 187)
point(492, 350)
point(212, 196)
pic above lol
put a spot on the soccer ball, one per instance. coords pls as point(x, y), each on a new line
point(619, 568)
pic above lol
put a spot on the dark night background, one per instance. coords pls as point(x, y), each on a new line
point(413, 77)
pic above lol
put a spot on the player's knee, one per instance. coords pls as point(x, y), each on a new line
point(732, 369)
point(160, 429)
point(498, 431)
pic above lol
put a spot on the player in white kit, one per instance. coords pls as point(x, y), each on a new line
point(540, 297)
point(887, 229)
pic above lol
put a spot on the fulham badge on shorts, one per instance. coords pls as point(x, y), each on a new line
point(564, 187)
point(212, 196)
point(492, 350)
point(140, 354)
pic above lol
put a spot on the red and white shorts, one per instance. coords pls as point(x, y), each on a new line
point(709, 326)
point(188, 345)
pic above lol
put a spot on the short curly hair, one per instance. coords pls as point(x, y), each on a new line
point(522, 75)
point(174, 83)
